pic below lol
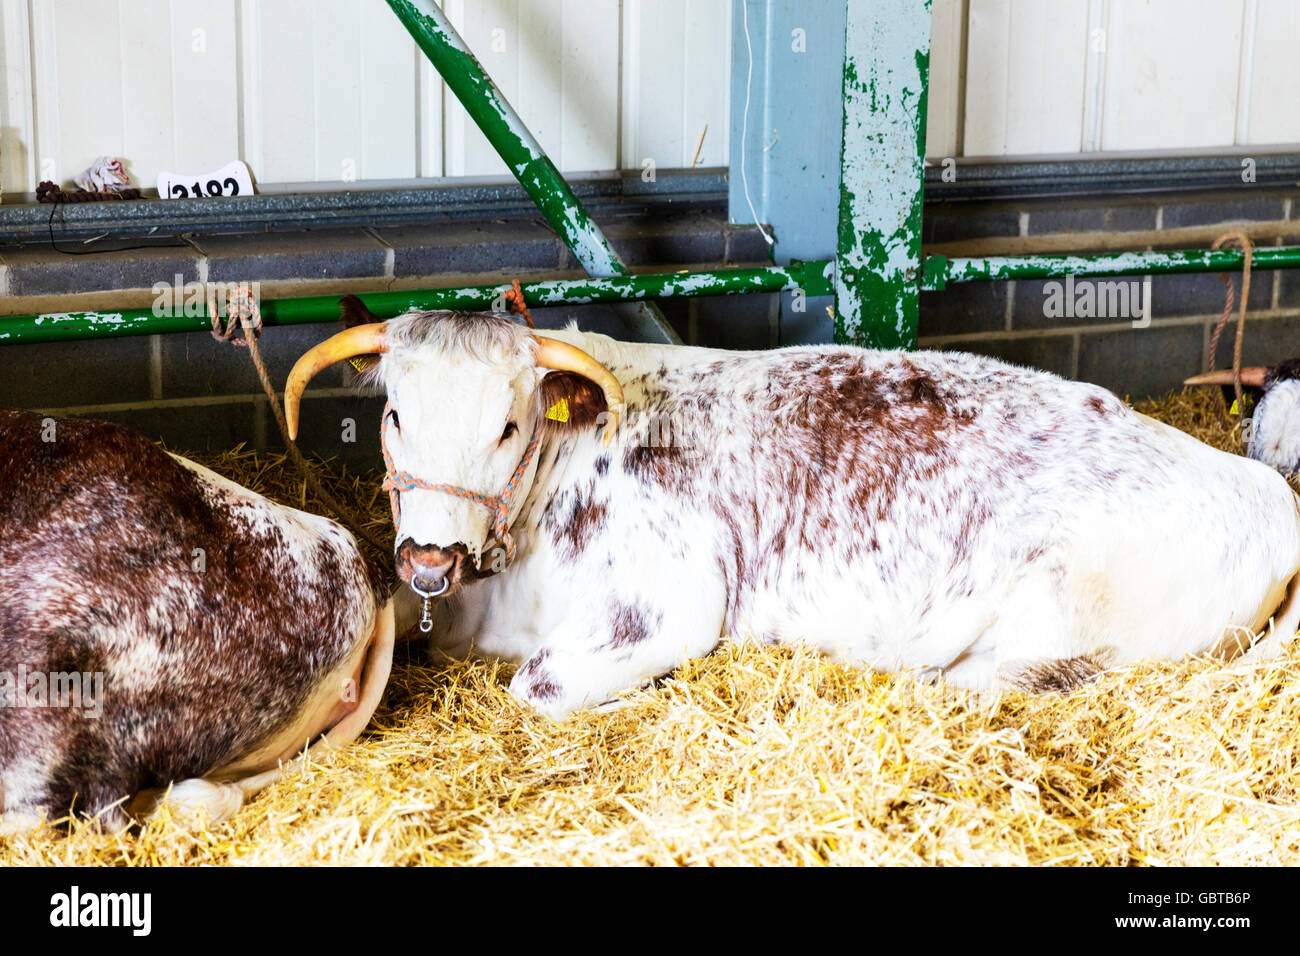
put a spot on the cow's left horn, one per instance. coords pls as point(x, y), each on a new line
point(561, 356)
point(1249, 376)
point(358, 340)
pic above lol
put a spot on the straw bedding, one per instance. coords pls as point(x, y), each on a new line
point(770, 755)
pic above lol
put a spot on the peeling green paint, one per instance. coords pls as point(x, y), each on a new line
point(886, 74)
point(939, 271)
point(814, 278)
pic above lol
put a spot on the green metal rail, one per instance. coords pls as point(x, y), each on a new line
point(938, 271)
point(812, 277)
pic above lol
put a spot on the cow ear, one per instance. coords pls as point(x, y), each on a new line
point(570, 401)
point(352, 311)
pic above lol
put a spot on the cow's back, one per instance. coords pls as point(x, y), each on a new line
point(210, 612)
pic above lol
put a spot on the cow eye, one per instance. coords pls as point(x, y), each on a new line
point(510, 429)
point(392, 416)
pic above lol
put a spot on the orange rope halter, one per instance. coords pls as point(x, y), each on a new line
point(396, 482)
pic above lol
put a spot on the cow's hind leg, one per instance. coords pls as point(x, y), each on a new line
point(1035, 644)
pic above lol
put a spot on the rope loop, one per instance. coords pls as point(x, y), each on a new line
point(242, 313)
point(1248, 248)
point(515, 303)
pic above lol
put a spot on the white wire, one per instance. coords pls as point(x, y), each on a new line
point(744, 124)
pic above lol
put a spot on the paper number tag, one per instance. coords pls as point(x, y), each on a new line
point(232, 179)
point(559, 412)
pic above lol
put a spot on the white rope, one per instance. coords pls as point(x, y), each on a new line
point(744, 124)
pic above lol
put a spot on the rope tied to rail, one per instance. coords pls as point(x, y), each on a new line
point(243, 315)
point(1247, 248)
point(514, 298)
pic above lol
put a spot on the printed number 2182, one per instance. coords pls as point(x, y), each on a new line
point(225, 187)
point(232, 179)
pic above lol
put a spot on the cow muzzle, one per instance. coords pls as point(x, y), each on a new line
point(432, 571)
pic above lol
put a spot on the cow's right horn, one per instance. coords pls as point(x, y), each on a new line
point(358, 340)
point(561, 356)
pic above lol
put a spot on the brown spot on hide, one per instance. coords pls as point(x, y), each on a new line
point(631, 624)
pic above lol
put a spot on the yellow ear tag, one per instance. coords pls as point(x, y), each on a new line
point(559, 412)
point(359, 362)
point(1234, 410)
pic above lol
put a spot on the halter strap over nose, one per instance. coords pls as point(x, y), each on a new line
point(396, 482)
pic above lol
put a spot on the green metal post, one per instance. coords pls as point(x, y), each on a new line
point(466, 78)
point(886, 74)
point(814, 278)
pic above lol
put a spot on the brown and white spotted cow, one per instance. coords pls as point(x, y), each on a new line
point(942, 513)
point(161, 626)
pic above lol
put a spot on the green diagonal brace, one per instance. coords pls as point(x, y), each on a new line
point(467, 79)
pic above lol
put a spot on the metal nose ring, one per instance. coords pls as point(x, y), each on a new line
point(426, 619)
point(428, 594)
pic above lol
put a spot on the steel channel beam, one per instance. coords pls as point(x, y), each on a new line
point(886, 72)
point(522, 154)
point(813, 277)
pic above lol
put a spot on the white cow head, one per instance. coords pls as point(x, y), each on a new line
point(467, 393)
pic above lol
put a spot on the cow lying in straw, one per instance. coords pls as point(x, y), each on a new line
point(162, 627)
point(935, 512)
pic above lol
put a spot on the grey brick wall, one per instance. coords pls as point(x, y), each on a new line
point(197, 394)
point(1009, 319)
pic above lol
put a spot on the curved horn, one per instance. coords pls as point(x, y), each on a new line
point(563, 357)
point(1253, 376)
point(358, 340)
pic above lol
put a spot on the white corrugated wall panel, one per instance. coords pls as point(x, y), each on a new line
point(335, 90)
point(204, 85)
point(1024, 76)
point(1273, 114)
point(79, 85)
point(18, 159)
point(943, 104)
point(1171, 74)
point(589, 100)
point(283, 86)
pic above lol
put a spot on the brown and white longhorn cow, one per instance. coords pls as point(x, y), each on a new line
point(163, 627)
point(941, 513)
